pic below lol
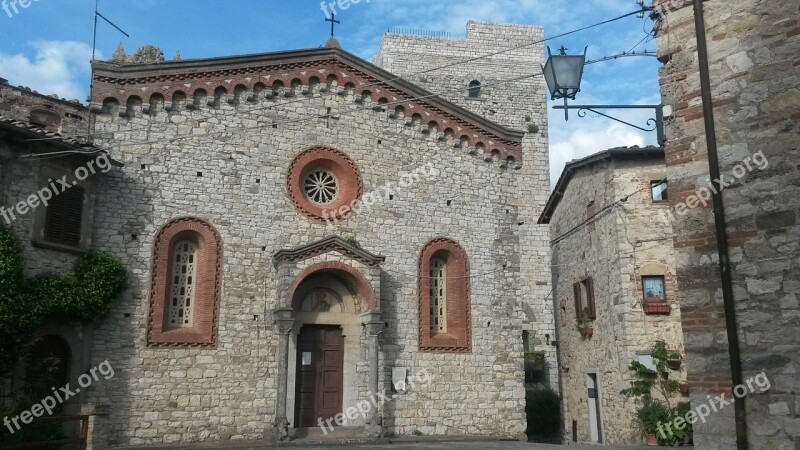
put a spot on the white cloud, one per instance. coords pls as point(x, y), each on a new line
point(58, 67)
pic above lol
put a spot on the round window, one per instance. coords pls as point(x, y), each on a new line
point(324, 184)
point(320, 186)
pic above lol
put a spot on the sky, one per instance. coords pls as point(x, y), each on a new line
point(47, 45)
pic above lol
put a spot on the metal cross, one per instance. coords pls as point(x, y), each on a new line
point(333, 22)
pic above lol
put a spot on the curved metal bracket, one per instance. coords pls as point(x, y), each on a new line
point(656, 124)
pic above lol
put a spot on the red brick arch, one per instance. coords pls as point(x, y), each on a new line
point(361, 285)
point(458, 338)
point(203, 333)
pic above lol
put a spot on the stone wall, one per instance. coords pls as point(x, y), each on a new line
point(753, 58)
point(17, 103)
point(614, 249)
point(517, 105)
point(225, 164)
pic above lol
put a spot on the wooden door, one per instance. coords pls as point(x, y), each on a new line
point(320, 367)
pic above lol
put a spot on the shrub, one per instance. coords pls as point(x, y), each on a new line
point(543, 411)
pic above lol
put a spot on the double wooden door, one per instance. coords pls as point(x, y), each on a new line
point(320, 367)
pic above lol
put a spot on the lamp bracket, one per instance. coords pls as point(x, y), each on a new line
point(655, 124)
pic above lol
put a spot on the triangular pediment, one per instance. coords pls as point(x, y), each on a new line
point(245, 78)
point(329, 244)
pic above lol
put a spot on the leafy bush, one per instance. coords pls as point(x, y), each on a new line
point(26, 303)
point(33, 432)
point(543, 410)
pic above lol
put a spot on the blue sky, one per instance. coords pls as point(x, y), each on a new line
point(47, 46)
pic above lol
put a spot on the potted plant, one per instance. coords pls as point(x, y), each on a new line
point(586, 329)
point(684, 389)
point(674, 361)
point(655, 304)
point(647, 383)
point(651, 415)
point(535, 360)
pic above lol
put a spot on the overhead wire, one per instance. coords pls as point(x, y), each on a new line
point(434, 69)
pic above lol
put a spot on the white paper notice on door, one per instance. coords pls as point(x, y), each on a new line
point(306, 358)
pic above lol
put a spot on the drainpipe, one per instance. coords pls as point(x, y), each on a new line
point(719, 222)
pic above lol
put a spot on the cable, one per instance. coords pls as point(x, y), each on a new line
point(466, 61)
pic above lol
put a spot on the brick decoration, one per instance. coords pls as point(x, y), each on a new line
point(252, 76)
point(458, 338)
point(361, 285)
point(351, 186)
point(203, 333)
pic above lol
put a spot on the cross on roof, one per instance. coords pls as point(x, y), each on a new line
point(333, 22)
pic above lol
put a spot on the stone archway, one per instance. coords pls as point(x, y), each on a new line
point(328, 304)
point(325, 303)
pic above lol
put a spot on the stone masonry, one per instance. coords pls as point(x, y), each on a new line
point(755, 78)
point(516, 104)
point(616, 248)
point(223, 154)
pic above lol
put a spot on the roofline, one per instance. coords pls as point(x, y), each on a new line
point(128, 70)
point(78, 104)
point(572, 167)
point(87, 152)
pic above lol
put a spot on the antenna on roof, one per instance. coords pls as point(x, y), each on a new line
point(94, 50)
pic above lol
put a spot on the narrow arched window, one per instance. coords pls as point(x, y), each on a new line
point(186, 284)
point(438, 296)
point(183, 284)
point(444, 305)
point(474, 90)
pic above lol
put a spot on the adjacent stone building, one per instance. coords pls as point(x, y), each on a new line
point(614, 274)
point(42, 139)
point(303, 230)
point(755, 88)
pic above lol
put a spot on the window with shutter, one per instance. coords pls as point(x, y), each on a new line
point(590, 298)
point(584, 300)
point(64, 216)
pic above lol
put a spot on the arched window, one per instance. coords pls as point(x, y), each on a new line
point(474, 90)
point(438, 292)
point(183, 283)
point(444, 305)
point(185, 289)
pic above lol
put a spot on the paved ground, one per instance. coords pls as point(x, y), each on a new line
point(459, 445)
point(399, 444)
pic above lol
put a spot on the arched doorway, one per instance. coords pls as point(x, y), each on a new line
point(327, 347)
point(47, 365)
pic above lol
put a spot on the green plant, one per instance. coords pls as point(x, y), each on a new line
point(537, 354)
point(86, 294)
point(650, 415)
point(647, 382)
point(543, 411)
point(527, 117)
point(533, 128)
point(416, 433)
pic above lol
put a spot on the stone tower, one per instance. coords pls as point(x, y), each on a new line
point(508, 89)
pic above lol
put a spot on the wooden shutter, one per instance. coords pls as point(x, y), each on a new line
point(63, 218)
point(590, 298)
point(577, 290)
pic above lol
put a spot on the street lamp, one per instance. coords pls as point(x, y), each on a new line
point(563, 75)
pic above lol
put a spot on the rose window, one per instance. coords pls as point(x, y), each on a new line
point(321, 187)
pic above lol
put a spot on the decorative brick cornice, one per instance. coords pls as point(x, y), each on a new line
point(208, 287)
point(458, 338)
point(333, 243)
point(253, 77)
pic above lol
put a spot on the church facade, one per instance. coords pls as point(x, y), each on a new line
point(312, 241)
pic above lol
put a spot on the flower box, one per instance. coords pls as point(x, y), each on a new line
point(657, 308)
